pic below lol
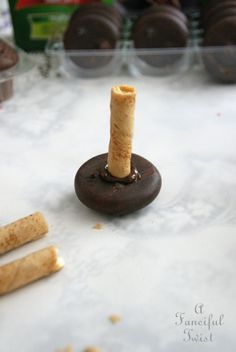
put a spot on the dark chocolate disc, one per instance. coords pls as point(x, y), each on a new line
point(166, 9)
point(174, 3)
point(217, 9)
point(6, 90)
point(160, 30)
point(211, 4)
point(116, 198)
point(91, 32)
point(108, 11)
point(8, 56)
point(219, 15)
point(220, 61)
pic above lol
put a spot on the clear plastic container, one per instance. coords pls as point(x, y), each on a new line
point(218, 62)
point(158, 62)
point(86, 63)
point(97, 63)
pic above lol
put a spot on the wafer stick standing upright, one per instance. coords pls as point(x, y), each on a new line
point(24, 230)
point(121, 130)
point(30, 268)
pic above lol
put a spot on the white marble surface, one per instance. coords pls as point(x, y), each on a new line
point(146, 267)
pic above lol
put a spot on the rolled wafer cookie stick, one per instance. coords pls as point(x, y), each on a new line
point(29, 228)
point(121, 130)
point(30, 268)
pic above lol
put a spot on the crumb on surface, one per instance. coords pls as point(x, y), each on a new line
point(97, 226)
point(92, 349)
point(114, 318)
point(65, 349)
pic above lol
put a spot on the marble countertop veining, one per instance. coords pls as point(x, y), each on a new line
point(148, 266)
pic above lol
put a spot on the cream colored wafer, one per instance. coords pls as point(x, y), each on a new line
point(121, 130)
point(30, 268)
point(24, 230)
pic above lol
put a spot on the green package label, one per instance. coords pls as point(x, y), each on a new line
point(44, 26)
point(35, 21)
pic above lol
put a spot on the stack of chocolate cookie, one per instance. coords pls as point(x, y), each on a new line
point(161, 27)
point(219, 21)
point(94, 26)
point(8, 60)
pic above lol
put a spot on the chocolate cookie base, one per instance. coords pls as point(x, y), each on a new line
point(220, 62)
point(6, 90)
point(88, 31)
point(116, 198)
point(161, 30)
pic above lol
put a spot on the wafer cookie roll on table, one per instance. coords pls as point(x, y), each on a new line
point(30, 268)
point(29, 228)
point(121, 130)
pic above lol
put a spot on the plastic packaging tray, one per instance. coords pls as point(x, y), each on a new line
point(125, 56)
point(154, 62)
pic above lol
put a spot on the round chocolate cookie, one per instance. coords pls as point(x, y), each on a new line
point(8, 59)
point(219, 15)
point(220, 62)
point(210, 3)
point(175, 3)
point(108, 11)
point(8, 56)
point(91, 32)
point(6, 90)
point(166, 9)
point(160, 30)
point(116, 198)
point(217, 9)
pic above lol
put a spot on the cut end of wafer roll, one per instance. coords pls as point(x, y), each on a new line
point(55, 262)
point(33, 267)
point(124, 90)
point(59, 264)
